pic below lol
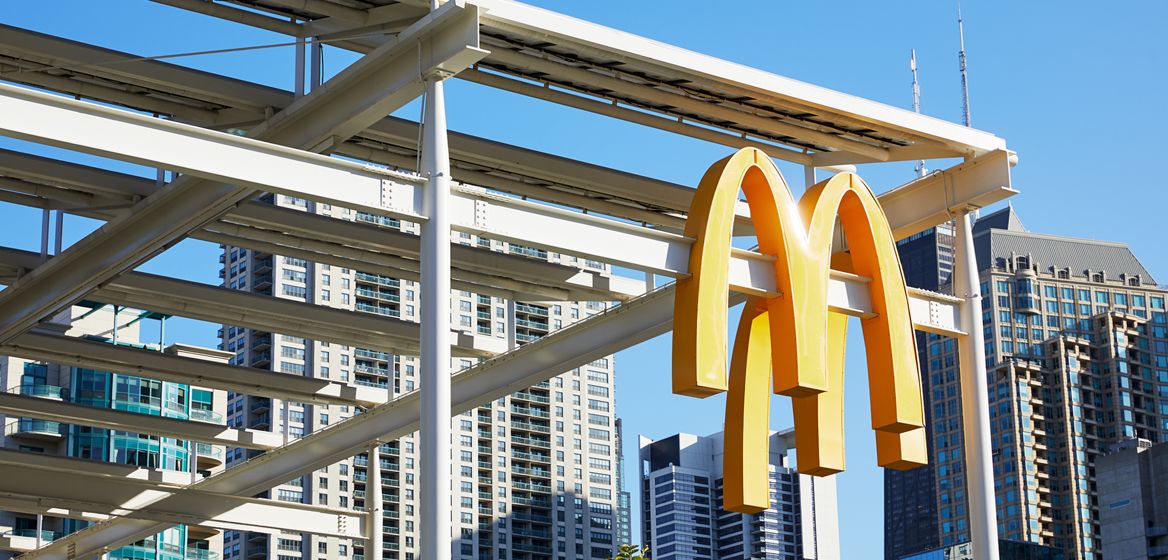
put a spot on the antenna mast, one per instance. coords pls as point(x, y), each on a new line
point(916, 91)
point(961, 62)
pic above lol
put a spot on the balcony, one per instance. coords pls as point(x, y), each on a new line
point(544, 488)
point(531, 517)
point(372, 354)
point(380, 310)
point(203, 415)
point(208, 456)
point(42, 391)
point(530, 427)
point(379, 280)
point(530, 411)
point(200, 554)
point(531, 472)
point(384, 221)
point(31, 428)
point(378, 294)
point(531, 547)
point(25, 539)
point(532, 324)
point(531, 309)
point(531, 456)
point(525, 396)
point(539, 534)
point(371, 369)
point(520, 440)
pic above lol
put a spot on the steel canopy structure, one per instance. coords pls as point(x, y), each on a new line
point(228, 141)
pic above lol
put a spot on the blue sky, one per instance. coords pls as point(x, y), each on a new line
point(1075, 88)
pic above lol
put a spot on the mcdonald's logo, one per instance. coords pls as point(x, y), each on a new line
point(792, 343)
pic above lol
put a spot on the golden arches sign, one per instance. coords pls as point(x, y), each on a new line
point(794, 335)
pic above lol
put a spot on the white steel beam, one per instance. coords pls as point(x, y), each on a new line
point(218, 102)
point(39, 483)
point(518, 221)
point(362, 93)
point(111, 419)
point(199, 152)
point(159, 365)
point(101, 194)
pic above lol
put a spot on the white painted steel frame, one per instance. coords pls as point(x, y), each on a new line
point(434, 434)
point(620, 327)
point(975, 408)
point(978, 182)
point(268, 314)
point(566, 344)
point(359, 95)
point(93, 490)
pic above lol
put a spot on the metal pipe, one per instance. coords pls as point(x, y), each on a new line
point(40, 530)
point(374, 530)
point(975, 412)
point(435, 346)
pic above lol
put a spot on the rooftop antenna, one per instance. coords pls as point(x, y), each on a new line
point(965, 118)
point(961, 62)
point(916, 91)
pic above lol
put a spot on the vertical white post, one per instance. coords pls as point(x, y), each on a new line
point(60, 232)
point(298, 87)
point(435, 343)
point(40, 531)
point(45, 234)
point(316, 63)
point(373, 540)
point(510, 324)
point(808, 176)
point(975, 405)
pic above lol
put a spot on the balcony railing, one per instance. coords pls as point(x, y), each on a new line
point(202, 415)
point(200, 554)
point(46, 535)
point(39, 390)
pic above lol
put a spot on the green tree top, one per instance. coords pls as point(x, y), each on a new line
point(631, 552)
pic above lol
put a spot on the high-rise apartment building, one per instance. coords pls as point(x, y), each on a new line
point(172, 461)
point(1133, 500)
point(1077, 353)
point(681, 505)
point(535, 473)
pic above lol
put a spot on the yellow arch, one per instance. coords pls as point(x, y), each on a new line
point(803, 340)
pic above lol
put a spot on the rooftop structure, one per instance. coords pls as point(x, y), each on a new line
point(224, 147)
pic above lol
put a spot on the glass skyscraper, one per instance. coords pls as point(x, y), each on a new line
point(1077, 354)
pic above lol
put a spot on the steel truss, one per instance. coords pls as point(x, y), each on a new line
point(629, 221)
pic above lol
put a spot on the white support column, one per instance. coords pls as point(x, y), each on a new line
point(975, 412)
point(435, 346)
point(57, 243)
point(40, 530)
point(808, 176)
point(510, 319)
point(298, 86)
point(374, 536)
point(45, 219)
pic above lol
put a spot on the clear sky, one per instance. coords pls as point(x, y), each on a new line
point(1076, 88)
